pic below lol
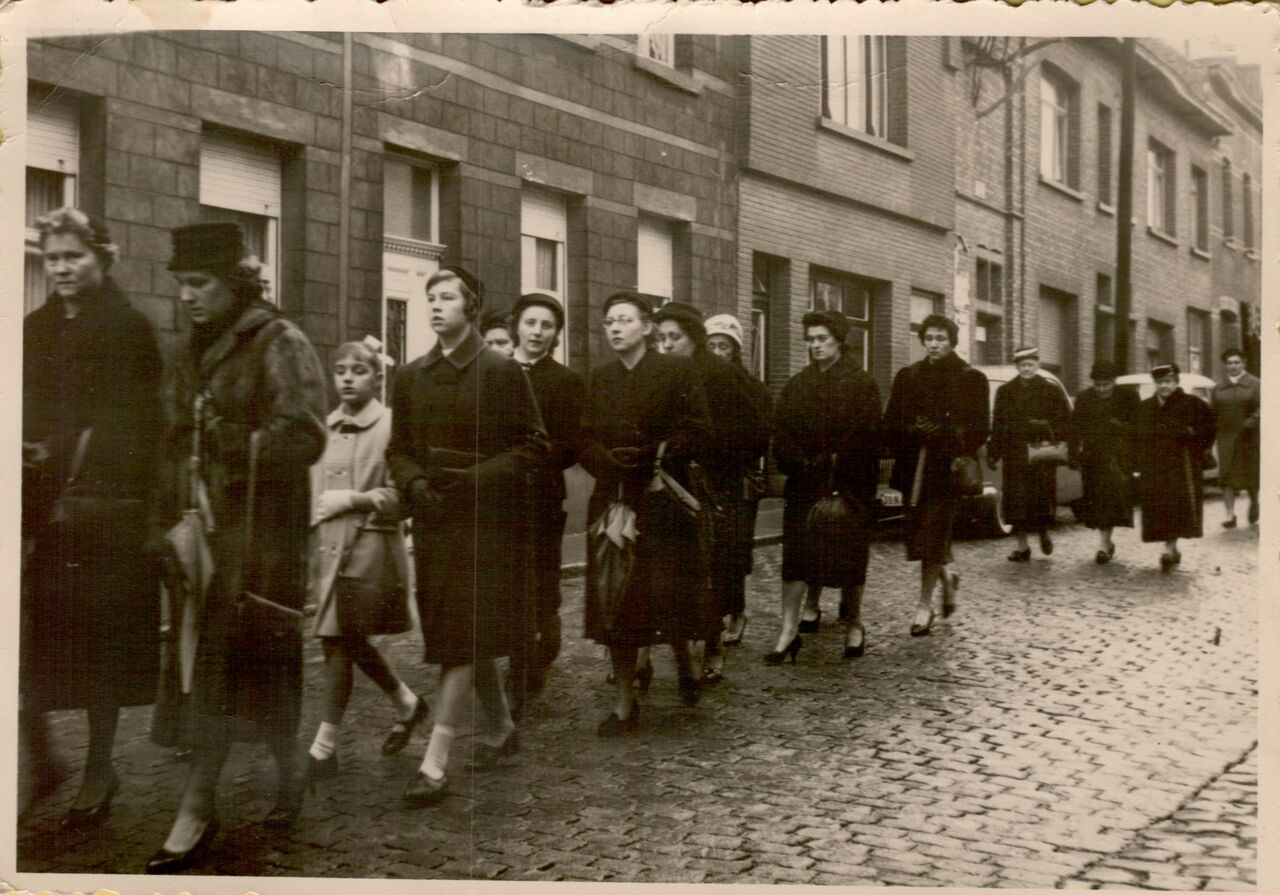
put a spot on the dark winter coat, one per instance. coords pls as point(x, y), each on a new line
point(1237, 408)
point(562, 400)
point(90, 601)
point(472, 563)
point(822, 413)
point(1027, 412)
point(1102, 433)
point(1172, 440)
point(659, 399)
point(260, 375)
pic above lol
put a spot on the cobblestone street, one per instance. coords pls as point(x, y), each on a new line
point(1072, 725)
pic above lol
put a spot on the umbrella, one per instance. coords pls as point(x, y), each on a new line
point(613, 543)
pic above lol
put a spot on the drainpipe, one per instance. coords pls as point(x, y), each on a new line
point(1022, 195)
point(1008, 276)
point(344, 196)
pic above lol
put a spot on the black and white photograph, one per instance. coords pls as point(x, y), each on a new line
point(829, 455)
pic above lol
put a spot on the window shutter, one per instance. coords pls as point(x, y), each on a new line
point(53, 137)
point(1052, 330)
point(239, 175)
point(653, 257)
point(543, 215)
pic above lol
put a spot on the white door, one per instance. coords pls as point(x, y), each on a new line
point(406, 332)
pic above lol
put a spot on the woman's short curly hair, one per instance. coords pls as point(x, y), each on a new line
point(90, 231)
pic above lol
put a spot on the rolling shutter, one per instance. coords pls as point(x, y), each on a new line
point(239, 175)
point(1053, 330)
point(653, 257)
point(543, 215)
point(53, 136)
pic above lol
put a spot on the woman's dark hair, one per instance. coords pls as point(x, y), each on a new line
point(687, 319)
point(939, 321)
point(496, 320)
point(1232, 352)
point(640, 304)
point(472, 300)
point(244, 280)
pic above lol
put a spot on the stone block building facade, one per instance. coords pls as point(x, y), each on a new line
point(764, 175)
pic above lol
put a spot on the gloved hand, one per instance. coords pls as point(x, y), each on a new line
point(334, 503)
point(449, 479)
point(423, 498)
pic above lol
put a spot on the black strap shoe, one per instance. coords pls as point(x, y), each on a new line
point(423, 790)
point(165, 862)
point(402, 731)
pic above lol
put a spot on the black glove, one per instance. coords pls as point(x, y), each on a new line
point(423, 499)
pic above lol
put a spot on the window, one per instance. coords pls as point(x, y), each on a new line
point(410, 254)
point(1104, 155)
point(544, 227)
point(411, 200)
point(1161, 189)
point(855, 83)
point(1246, 205)
point(658, 47)
point(1104, 320)
point(240, 183)
point(989, 282)
point(1200, 207)
point(1197, 341)
point(922, 305)
point(1055, 330)
point(988, 339)
point(851, 297)
point(763, 284)
point(53, 164)
point(654, 258)
point(1228, 203)
point(1059, 137)
point(1159, 343)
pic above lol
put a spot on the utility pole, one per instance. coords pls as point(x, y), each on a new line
point(1124, 208)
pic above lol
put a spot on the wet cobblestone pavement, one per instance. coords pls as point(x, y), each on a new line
point(1073, 725)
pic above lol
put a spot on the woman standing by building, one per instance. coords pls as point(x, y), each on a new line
point(462, 444)
point(359, 572)
point(724, 340)
point(1174, 432)
point(739, 437)
point(937, 414)
point(252, 389)
point(538, 321)
point(826, 439)
point(90, 416)
point(644, 408)
point(1237, 402)
point(1102, 431)
point(1029, 410)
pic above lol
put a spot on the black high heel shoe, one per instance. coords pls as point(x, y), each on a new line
point(613, 726)
point(1046, 543)
point(288, 807)
point(733, 633)
point(777, 656)
point(690, 691)
point(402, 731)
point(922, 630)
point(949, 594)
point(1023, 555)
point(484, 756)
point(810, 625)
point(851, 651)
point(95, 815)
point(165, 862)
point(423, 790)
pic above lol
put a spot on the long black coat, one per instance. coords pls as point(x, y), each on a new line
point(1171, 443)
point(659, 399)
point(472, 563)
point(822, 413)
point(90, 604)
point(1027, 412)
point(260, 375)
point(1102, 433)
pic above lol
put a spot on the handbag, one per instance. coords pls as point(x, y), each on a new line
point(1050, 451)
point(834, 523)
point(966, 476)
point(95, 518)
point(367, 605)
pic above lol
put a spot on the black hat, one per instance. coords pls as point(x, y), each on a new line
point(835, 322)
point(1161, 371)
point(1104, 369)
point(631, 298)
point(539, 300)
point(470, 280)
point(207, 246)
point(494, 319)
point(689, 318)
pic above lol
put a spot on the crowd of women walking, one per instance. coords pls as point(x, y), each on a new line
point(182, 577)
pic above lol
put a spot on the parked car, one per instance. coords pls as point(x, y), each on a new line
point(984, 515)
point(1192, 384)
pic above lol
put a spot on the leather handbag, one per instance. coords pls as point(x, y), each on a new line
point(966, 476)
point(1050, 451)
point(833, 525)
point(368, 605)
point(91, 517)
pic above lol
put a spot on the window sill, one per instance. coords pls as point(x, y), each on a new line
point(1230, 244)
point(581, 41)
point(1251, 254)
point(1162, 236)
point(673, 76)
point(1201, 253)
point(879, 143)
point(1107, 209)
point(1062, 188)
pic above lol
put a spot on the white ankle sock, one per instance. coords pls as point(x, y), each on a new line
point(406, 700)
point(437, 757)
point(325, 742)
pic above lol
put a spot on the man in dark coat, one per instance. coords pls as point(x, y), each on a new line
point(1174, 431)
point(1102, 431)
point(462, 448)
point(537, 322)
point(1237, 401)
point(938, 411)
point(1029, 409)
